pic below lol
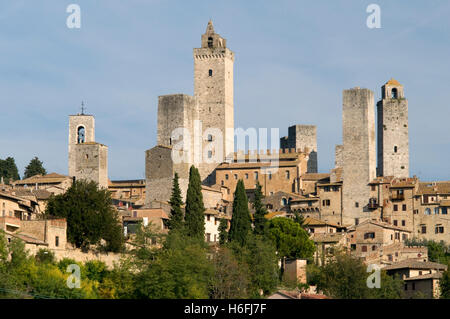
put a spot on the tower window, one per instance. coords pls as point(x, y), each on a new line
point(210, 138)
point(81, 135)
point(394, 93)
point(210, 72)
point(210, 42)
point(395, 149)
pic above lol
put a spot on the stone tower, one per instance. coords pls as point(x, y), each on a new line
point(303, 137)
point(213, 91)
point(199, 129)
point(393, 136)
point(87, 159)
point(359, 167)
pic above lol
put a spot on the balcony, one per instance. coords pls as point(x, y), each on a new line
point(372, 203)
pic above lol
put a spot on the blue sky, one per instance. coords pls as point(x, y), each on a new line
point(293, 59)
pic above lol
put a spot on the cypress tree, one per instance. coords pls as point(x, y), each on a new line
point(240, 221)
point(259, 218)
point(35, 167)
point(176, 213)
point(195, 209)
point(223, 225)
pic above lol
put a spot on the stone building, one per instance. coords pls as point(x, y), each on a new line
point(393, 136)
point(303, 137)
point(283, 174)
point(195, 130)
point(53, 183)
point(88, 160)
point(359, 167)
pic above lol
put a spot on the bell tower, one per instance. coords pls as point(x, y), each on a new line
point(393, 135)
point(213, 91)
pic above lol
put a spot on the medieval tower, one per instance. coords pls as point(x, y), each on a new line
point(359, 167)
point(88, 160)
point(393, 136)
point(303, 137)
point(194, 130)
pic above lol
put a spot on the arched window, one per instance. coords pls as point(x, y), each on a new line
point(284, 201)
point(210, 42)
point(210, 72)
point(81, 135)
point(394, 93)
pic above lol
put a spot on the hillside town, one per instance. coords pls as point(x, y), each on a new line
point(367, 206)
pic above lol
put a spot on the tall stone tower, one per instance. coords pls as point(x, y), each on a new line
point(303, 137)
point(197, 129)
point(359, 166)
point(213, 91)
point(88, 160)
point(393, 136)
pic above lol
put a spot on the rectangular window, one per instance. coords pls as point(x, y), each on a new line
point(256, 175)
point(208, 237)
point(226, 176)
point(270, 175)
point(364, 249)
point(208, 217)
point(246, 176)
point(373, 187)
point(424, 229)
point(436, 210)
point(404, 207)
point(395, 223)
point(395, 208)
point(403, 223)
point(444, 210)
point(356, 204)
point(287, 174)
point(57, 241)
point(439, 229)
point(209, 154)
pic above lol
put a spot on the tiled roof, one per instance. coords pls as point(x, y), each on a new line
point(327, 237)
point(434, 188)
point(310, 221)
point(436, 275)
point(315, 176)
point(46, 179)
point(414, 264)
point(40, 194)
point(394, 82)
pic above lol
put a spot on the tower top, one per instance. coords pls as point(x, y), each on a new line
point(212, 40)
point(393, 82)
point(392, 90)
point(210, 27)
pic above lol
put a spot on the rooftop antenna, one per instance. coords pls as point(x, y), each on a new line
point(82, 108)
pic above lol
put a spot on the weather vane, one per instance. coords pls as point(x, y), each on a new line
point(82, 108)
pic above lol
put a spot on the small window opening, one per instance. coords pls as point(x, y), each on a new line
point(394, 93)
point(210, 42)
point(210, 72)
point(81, 135)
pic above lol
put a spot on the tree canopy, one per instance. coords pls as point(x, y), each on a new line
point(259, 217)
point(176, 213)
point(195, 209)
point(8, 170)
point(35, 167)
point(90, 215)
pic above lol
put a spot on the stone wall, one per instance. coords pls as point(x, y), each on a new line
point(91, 163)
point(359, 152)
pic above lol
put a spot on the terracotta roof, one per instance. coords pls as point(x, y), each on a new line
point(436, 275)
point(46, 179)
point(28, 239)
point(394, 82)
point(275, 214)
point(327, 237)
point(445, 203)
point(212, 189)
point(382, 180)
point(310, 221)
point(433, 188)
point(315, 176)
point(414, 264)
point(40, 194)
point(383, 224)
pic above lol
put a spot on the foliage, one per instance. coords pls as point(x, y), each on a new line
point(90, 216)
point(445, 284)
point(195, 210)
point(240, 221)
point(35, 167)
point(45, 256)
point(176, 213)
point(290, 239)
point(259, 217)
point(230, 279)
point(223, 233)
point(8, 170)
point(437, 251)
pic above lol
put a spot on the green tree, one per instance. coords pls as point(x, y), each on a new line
point(241, 223)
point(45, 256)
point(290, 239)
point(445, 284)
point(195, 210)
point(176, 213)
point(90, 216)
point(298, 218)
point(35, 167)
point(8, 170)
point(259, 217)
point(223, 233)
